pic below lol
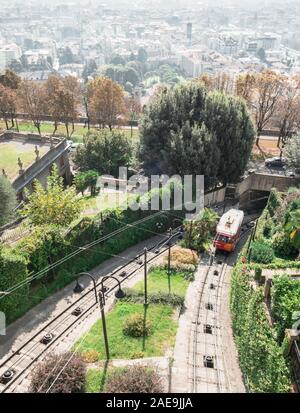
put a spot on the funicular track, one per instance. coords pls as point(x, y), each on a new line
point(16, 366)
point(208, 371)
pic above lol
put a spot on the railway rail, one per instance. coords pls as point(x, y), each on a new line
point(17, 365)
point(208, 369)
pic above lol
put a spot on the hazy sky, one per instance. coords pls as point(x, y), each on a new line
point(158, 3)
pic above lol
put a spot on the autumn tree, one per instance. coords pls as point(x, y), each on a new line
point(221, 81)
point(134, 109)
point(105, 101)
point(33, 101)
point(10, 79)
point(53, 86)
point(287, 114)
point(62, 99)
point(53, 204)
point(262, 92)
point(69, 100)
point(8, 104)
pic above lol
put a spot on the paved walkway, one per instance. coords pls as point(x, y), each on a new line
point(181, 380)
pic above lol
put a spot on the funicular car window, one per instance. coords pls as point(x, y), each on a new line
point(223, 238)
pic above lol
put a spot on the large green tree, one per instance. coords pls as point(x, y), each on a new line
point(104, 151)
point(7, 200)
point(228, 117)
point(167, 113)
point(221, 133)
point(52, 205)
point(193, 150)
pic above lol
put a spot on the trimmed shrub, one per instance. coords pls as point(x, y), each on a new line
point(137, 355)
point(137, 326)
point(173, 300)
point(71, 379)
point(262, 253)
point(90, 356)
point(181, 255)
point(134, 379)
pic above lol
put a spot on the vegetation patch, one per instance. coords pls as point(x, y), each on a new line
point(71, 379)
point(261, 357)
point(285, 299)
point(136, 325)
point(123, 346)
point(134, 379)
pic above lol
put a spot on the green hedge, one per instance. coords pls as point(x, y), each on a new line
point(262, 253)
point(261, 358)
point(285, 294)
point(48, 244)
point(13, 270)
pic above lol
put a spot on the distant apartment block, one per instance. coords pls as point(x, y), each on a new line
point(8, 53)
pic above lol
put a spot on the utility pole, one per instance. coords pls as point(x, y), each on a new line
point(145, 277)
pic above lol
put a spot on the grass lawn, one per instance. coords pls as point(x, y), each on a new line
point(126, 347)
point(158, 281)
point(79, 131)
point(10, 151)
point(161, 317)
point(96, 378)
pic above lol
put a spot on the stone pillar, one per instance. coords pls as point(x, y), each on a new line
point(20, 164)
point(267, 288)
point(37, 153)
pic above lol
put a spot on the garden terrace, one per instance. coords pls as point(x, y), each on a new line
point(14, 148)
point(37, 154)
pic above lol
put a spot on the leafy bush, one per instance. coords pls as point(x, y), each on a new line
point(274, 201)
point(199, 233)
point(137, 326)
point(183, 256)
point(71, 379)
point(90, 356)
point(134, 379)
point(262, 252)
point(158, 298)
point(282, 245)
point(137, 355)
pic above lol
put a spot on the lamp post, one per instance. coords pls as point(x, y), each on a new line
point(119, 294)
point(145, 277)
point(169, 250)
